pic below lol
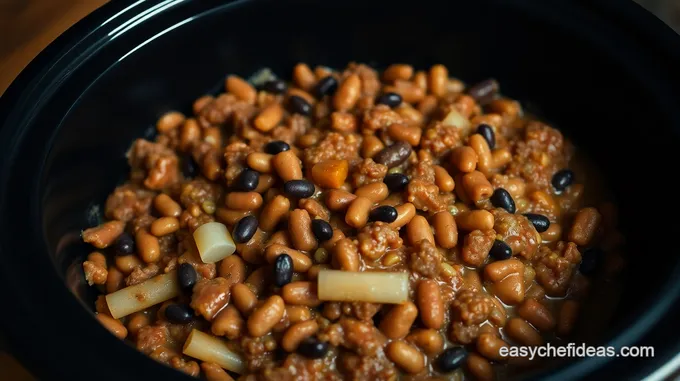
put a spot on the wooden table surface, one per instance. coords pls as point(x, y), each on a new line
point(28, 26)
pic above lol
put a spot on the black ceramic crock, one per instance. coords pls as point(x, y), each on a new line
point(605, 72)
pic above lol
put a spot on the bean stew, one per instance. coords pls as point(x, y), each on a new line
point(350, 225)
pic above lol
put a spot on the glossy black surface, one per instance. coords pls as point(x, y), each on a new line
point(601, 70)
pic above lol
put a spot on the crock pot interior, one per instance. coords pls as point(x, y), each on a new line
point(602, 102)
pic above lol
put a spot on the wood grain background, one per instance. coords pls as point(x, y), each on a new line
point(28, 26)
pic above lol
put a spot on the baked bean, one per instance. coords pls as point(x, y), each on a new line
point(298, 332)
point(537, 314)
point(489, 345)
point(420, 80)
point(348, 93)
point(343, 121)
point(430, 304)
point(259, 161)
point(167, 206)
point(201, 102)
point(211, 165)
point(498, 270)
point(241, 89)
point(330, 173)
point(481, 148)
point(213, 136)
point(127, 263)
point(404, 133)
point(214, 372)
point(287, 166)
point(243, 298)
point(346, 256)
point(297, 314)
point(243, 200)
point(510, 287)
point(586, 223)
point(169, 121)
point(269, 117)
point(103, 235)
point(397, 323)
point(371, 146)
point(229, 216)
point(500, 157)
point(437, 80)
point(258, 279)
point(164, 226)
point(301, 262)
point(464, 159)
point(357, 213)
point(114, 326)
point(137, 321)
point(429, 341)
point(405, 214)
point(375, 192)
point(567, 317)
point(337, 200)
point(479, 367)
point(405, 356)
point(307, 97)
point(445, 229)
point(428, 105)
point(265, 183)
point(264, 318)
point(189, 134)
point(535, 292)
point(508, 108)
point(303, 77)
point(300, 230)
point(522, 332)
point(301, 293)
point(233, 269)
point(147, 246)
point(412, 117)
point(553, 234)
point(397, 71)
point(443, 179)
point(313, 272)
point(476, 186)
point(475, 220)
point(275, 211)
point(337, 236)
point(115, 280)
point(419, 229)
point(409, 91)
point(228, 323)
point(472, 280)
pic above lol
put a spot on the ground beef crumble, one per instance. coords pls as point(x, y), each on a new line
point(376, 238)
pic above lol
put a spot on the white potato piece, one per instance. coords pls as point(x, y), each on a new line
point(205, 347)
point(143, 295)
point(214, 242)
point(454, 118)
point(374, 287)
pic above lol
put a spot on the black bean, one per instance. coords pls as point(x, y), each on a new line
point(245, 229)
point(562, 179)
point(500, 250)
point(487, 132)
point(389, 99)
point(247, 180)
point(298, 188)
point(312, 348)
point(540, 222)
point(590, 260)
point(187, 276)
point(502, 199)
point(124, 244)
point(179, 313)
point(276, 146)
point(385, 213)
point(326, 86)
point(323, 231)
point(299, 105)
point(189, 166)
point(393, 155)
point(451, 359)
point(275, 86)
point(283, 270)
point(484, 92)
point(396, 182)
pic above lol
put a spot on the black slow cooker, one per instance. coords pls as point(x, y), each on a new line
point(604, 71)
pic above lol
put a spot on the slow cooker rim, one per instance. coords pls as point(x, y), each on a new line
point(57, 51)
